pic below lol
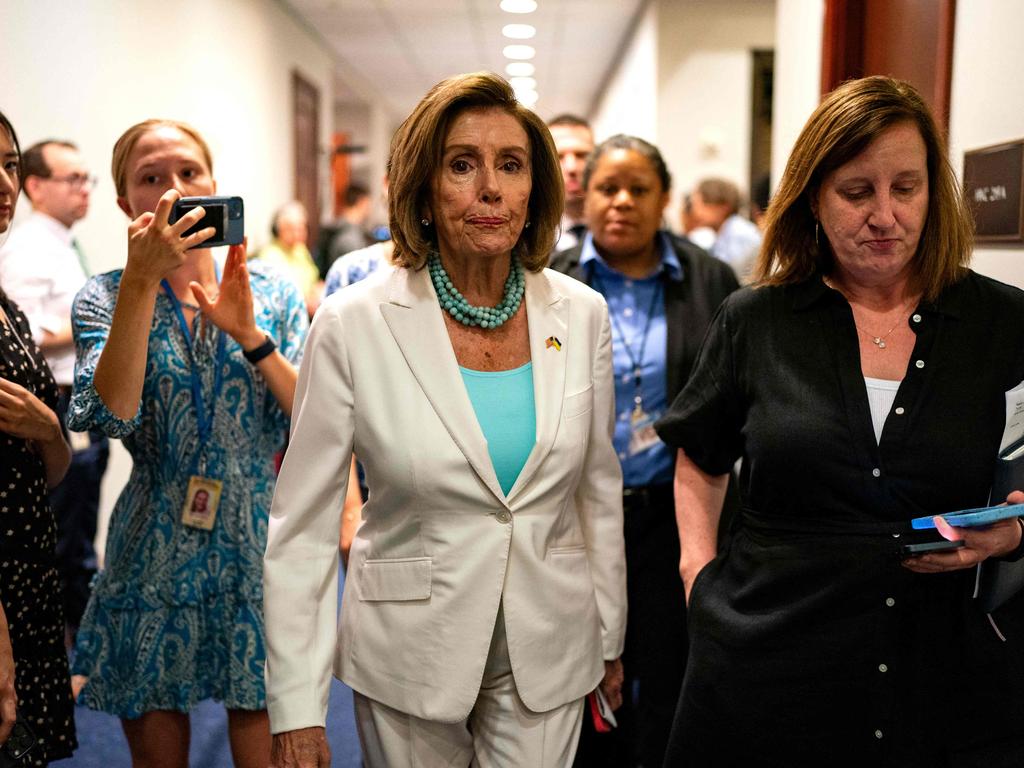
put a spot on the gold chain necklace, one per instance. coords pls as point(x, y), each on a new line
point(879, 341)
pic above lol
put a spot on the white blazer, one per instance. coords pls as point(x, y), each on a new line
point(440, 545)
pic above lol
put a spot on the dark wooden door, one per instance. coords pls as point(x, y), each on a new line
point(908, 39)
point(306, 122)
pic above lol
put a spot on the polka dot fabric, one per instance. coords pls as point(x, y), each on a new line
point(29, 585)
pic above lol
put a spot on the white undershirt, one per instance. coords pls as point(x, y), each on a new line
point(881, 396)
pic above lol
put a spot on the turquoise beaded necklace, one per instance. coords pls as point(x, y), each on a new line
point(455, 304)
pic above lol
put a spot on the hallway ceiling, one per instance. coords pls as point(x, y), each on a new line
point(399, 48)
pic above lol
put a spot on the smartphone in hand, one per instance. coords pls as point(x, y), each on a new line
point(225, 214)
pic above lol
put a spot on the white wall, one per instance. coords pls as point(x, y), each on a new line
point(798, 38)
point(629, 103)
point(705, 74)
point(86, 70)
point(987, 102)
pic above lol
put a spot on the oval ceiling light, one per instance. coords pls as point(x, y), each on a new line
point(523, 83)
point(529, 98)
point(519, 6)
point(518, 52)
point(519, 31)
point(519, 69)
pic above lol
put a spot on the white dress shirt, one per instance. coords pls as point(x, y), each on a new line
point(40, 270)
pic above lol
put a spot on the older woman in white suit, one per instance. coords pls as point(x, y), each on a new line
point(485, 596)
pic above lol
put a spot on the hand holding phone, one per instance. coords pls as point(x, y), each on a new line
point(225, 214)
point(923, 548)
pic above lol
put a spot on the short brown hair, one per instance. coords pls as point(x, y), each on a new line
point(843, 125)
point(716, 191)
point(33, 161)
point(418, 147)
point(124, 146)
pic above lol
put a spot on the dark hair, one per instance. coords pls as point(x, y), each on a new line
point(567, 118)
point(847, 121)
point(418, 147)
point(33, 162)
point(14, 140)
point(353, 193)
point(634, 144)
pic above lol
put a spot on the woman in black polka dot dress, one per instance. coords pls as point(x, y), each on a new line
point(33, 458)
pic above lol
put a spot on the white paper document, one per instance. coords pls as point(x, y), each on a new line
point(1014, 429)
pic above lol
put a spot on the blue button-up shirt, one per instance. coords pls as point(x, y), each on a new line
point(629, 302)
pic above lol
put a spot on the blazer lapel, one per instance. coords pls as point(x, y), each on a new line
point(414, 318)
point(548, 318)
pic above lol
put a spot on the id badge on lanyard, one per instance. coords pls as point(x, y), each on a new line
point(202, 496)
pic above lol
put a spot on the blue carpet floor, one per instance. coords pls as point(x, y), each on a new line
point(101, 742)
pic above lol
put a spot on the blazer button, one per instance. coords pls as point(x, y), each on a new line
point(503, 516)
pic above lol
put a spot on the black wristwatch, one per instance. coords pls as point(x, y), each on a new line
point(257, 354)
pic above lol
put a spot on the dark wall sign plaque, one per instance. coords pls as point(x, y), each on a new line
point(994, 184)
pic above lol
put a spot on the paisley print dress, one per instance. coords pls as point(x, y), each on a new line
point(176, 614)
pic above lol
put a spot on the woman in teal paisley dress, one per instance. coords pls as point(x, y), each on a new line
point(180, 363)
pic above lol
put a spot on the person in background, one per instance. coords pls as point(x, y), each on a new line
point(34, 680)
point(574, 141)
point(288, 252)
point(662, 292)
point(42, 268)
point(199, 390)
point(485, 595)
point(349, 232)
point(714, 204)
point(863, 384)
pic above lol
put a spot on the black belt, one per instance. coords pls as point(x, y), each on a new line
point(647, 495)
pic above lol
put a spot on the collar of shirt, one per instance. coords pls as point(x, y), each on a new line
point(812, 291)
point(53, 226)
point(670, 266)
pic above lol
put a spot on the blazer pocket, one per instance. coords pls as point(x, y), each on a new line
point(579, 403)
point(403, 578)
point(572, 549)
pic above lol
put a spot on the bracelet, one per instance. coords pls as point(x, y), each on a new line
point(257, 354)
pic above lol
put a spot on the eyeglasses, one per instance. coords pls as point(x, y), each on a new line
point(75, 180)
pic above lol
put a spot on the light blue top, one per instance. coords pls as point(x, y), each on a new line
point(504, 406)
point(630, 301)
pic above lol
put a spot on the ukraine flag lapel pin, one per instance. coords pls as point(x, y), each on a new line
point(552, 341)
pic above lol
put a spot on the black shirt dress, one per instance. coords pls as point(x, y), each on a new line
point(809, 643)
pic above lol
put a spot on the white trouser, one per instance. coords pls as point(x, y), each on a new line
point(500, 731)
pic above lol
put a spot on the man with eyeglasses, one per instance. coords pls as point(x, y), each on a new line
point(42, 268)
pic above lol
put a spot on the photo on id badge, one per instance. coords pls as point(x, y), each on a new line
point(201, 502)
point(643, 435)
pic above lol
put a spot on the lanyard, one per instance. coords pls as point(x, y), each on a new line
point(204, 417)
point(635, 360)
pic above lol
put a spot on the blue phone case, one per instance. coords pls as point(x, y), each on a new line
point(970, 518)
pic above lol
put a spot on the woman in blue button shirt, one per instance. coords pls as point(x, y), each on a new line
point(662, 291)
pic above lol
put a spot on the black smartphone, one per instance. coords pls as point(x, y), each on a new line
point(225, 214)
point(910, 550)
point(18, 744)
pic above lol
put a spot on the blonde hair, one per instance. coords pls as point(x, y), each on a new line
point(416, 152)
point(123, 148)
point(847, 121)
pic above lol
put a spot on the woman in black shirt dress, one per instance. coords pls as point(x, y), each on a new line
point(862, 383)
point(33, 458)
